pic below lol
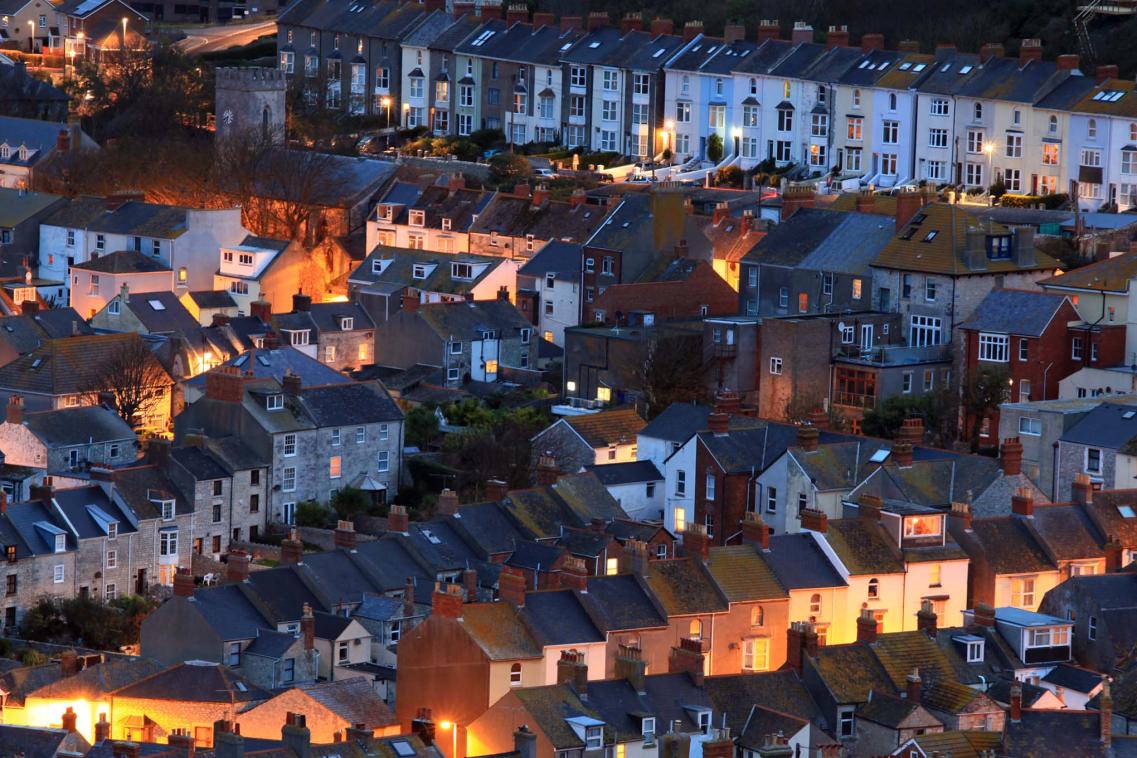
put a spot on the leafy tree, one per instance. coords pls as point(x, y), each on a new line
point(421, 426)
point(509, 169)
point(350, 502)
point(714, 148)
point(86, 621)
point(982, 393)
point(311, 513)
point(729, 176)
point(495, 446)
point(487, 138)
point(886, 419)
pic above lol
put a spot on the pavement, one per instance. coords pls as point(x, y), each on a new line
point(208, 39)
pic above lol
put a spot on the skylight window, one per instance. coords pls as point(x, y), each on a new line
point(919, 67)
point(594, 44)
point(965, 69)
point(657, 53)
point(945, 67)
point(905, 66)
point(156, 305)
point(880, 455)
point(1129, 414)
point(930, 236)
point(402, 748)
point(864, 64)
point(1126, 511)
point(566, 46)
point(882, 66)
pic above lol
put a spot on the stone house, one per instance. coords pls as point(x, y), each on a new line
point(165, 516)
point(1101, 608)
point(436, 218)
point(1097, 446)
point(340, 643)
point(66, 440)
point(330, 709)
point(472, 341)
point(158, 314)
point(39, 557)
point(518, 225)
point(340, 335)
point(19, 228)
point(318, 439)
point(574, 442)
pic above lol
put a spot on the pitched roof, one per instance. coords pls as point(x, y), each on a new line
point(556, 617)
point(682, 586)
point(677, 422)
point(1110, 275)
point(782, 691)
point(935, 241)
point(618, 426)
point(160, 312)
point(1109, 425)
point(1019, 312)
point(1009, 545)
point(96, 682)
point(495, 628)
point(467, 320)
point(353, 700)
point(799, 562)
point(958, 744)
point(63, 366)
point(741, 574)
point(123, 262)
point(620, 603)
point(199, 681)
point(399, 267)
point(78, 426)
point(863, 546)
point(631, 472)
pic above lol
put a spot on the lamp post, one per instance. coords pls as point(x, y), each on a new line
point(124, 42)
point(989, 151)
point(406, 114)
point(453, 727)
point(386, 102)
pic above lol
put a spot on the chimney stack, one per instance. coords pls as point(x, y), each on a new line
point(291, 549)
point(345, 535)
point(15, 415)
point(914, 686)
point(447, 599)
point(572, 22)
point(732, 33)
point(1106, 72)
point(911, 431)
point(688, 657)
point(908, 204)
point(541, 19)
point(308, 628)
point(814, 520)
point(696, 544)
point(691, 30)
point(838, 36)
point(802, 33)
point(807, 438)
point(991, 50)
point(1105, 709)
point(872, 41)
point(448, 502)
point(768, 29)
point(983, 615)
point(296, 736)
point(1022, 503)
point(631, 22)
point(237, 566)
point(902, 454)
point(1068, 62)
point(102, 729)
point(572, 668)
point(754, 531)
point(718, 423)
point(1016, 702)
point(70, 719)
point(1030, 50)
point(1011, 456)
point(516, 13)
point(301, 302)
point(547, 471)
point(1082, 490)
point(183, 583)
point(661, 26)
point(574, 574)
point(511, 586)
point(598, 20)
point(926, 619)
point(631, 667)
point(409, 598)
point(1114, 551)
point(866, 627)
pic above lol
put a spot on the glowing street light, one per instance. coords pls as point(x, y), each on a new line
point(454, 738)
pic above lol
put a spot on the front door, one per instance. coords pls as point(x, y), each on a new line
point(866, 336)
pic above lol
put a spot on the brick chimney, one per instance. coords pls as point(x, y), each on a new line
point(802, 33)
point(301, 302)
point(688, 657)
point(1082, 489)
point(446, 600)
point(1022, 503)
point(15, 415)
point(1030, 50)
point(926, 619)
point(866, 627)
point(409, 597)
point(719, 745)
point(219, 319)
point(511, 586)
point(447, 503)
point(1106, 72)
point(631, 22)
point(308, 628)
point(908, 46)
point(983, 615)
point(63, 141)
point(572, 669)
point(691, 30)
point(516, 13)
point(732, 33)
point(991, 50)
point(721, 212)
point(496, 490)
point(962, 512)
point(902, 454)
point(578, 197)
point(574, 574)
point(913, 686)
point(661, 26)
point(541, 19)
point(68, 663)
point(1114, 551)
point(793, 646)
point(292, 549)
point(809, 639)
point(1011, 456)
point(295, 735)
point(70, 719)
point(225, 384)
point(908, 204)
point(795, 197)
point(290, 383)
point(838, 36)
point(571, 22)
point(814, 520)
point(1016, 702)
point(807, 438)
point(102, 729)
point(682, 250)
point(718, 423)
point(262, 310)
point(696, 544)
point(345, 535)
point(727, 401)
point(540, 195)
point(911, 431)
point(397, 519)
point(470, 584)
point(183, 583)
point(634, 559)
point(547, 471)
point(768, 29)
point(631, 667)
point(237, 566)
point(872, 41)
point(754, 531)
point(1068, 62)
point(598, 20)
point(866, 201)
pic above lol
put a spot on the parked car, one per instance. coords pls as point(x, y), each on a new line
point(545, 173)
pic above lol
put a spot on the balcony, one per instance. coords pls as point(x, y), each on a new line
point(893, 355)
point(853, 400)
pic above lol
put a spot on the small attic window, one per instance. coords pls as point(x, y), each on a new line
point(274, 402)
point(402, 748)
point(156, 305)
point(919, 67)
point(1129, 414)
point(965, 69)
point(1126, 511)
point(930, 236)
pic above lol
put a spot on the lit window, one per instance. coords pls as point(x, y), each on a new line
point(334, 467)
point(612, 566)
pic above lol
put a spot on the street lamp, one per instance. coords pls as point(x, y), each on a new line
point(453, 727)
point(406, 114)
point(386, 102)
point(989, 150)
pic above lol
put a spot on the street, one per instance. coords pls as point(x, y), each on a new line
point(211, 38)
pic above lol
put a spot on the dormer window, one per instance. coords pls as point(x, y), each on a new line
point(999, 247)
point(461, 271)
point(446, 224)
point(975, 651)
point(299, 337)
point(61, 543)
point(274, 402)
point(418, 218)
point(5, 152)
point(923, 526)
point(112, 530)
point(594, 738)
point(167, 507)
point(647, 726)
point(418, 271)
point(347, 323)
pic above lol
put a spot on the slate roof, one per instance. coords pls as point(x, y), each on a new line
point(618, 426)
point(230, 611)
point(36, 742)
point(741, 574)
point(888, 710)
point(1110, 275)
point(549, 706)
point(1108, 520)
point(62, 366)
point(347, 404)
point(574, 500)
point(1109, 425)
point(782, 691)
point(799, 563)
point(945, 253)
point(488, 527)
point(123, 262)
point(1009, 545)
point(326, 317)
point(161, 312)
point(853, 244)
point(1064, 732)
point(562, 259)
point(682, 586)
point(27, 332)
point(329, 626)
point(400, 270)
point(631, 472)
point(38, 136)
point(78, 426)
point(17, 205)
point(1073, 678)
point(195, 681)
point(210, 299)
point(199, 462)
point(864, 547)
point(1067, 532)
point(958, 744)
point(1018, 312)
point(850, 672)
point(143, 220)
point(352, 699)
point(95, 682)
point(274, 364)
point(467, 320)
point(556, 617)
point(270, 644)
point(20, 682)
point(620, 603)
point(513, 216)
point(535, 556)
point(284, 592)
point(677, 422)
point(85, 509)
point(494, 627)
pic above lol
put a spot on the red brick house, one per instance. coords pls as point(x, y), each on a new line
point(686, 288)
point(1027, 335)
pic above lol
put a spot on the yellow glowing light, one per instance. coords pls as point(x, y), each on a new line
point(446, 724)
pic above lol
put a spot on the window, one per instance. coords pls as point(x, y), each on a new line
point(515, 675)
point(112, 559)
point(593, 735)
point(771, 500)
point(640, 84)
point(611, 80)
point(1091, 158)
point(923, 526)
point(695, 629)
point(384, 461)
point(891, 132)
point(906, 382)
point(1092, 627)
point(888, 164)
point(167, 510)
point(59, 574)
point(1022, 592)
point(874, 588)
point(1093, 460)
point(815, 604)
point(846, 721)
point(803, 302)
point(113, 307)
point(710, 493)
point(1014, 145)
point(1024, 390)
point(994, 347)
point(819, 125)
point(335, 467)
point(939, 107)
point(289, 445)
point(750, 115)
point(1076, 348)
point(937, 138)
point(100, 242)
point(12, 584)
point(680, 519)
point(776, 366)
point(1092, 128)
point(855, 124)
point(785, 120)
point(1030, 426)
point(288, 479)
point(578, 76)
point(680, 482)
point(682, 113)
point(217, 513)
point(61, 543)
point(756, 655)
point(923, 331)
point(384, 432)
point(857, 289)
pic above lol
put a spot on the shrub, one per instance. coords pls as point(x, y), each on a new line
point(714, 148)
point(311, 513)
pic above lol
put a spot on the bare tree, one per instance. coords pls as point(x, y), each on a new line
point(669, 367)
point(131, 380)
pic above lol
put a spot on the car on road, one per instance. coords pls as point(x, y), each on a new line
point(545, 173)
point(491, 153)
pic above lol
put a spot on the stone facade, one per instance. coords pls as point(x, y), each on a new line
point(251, 101)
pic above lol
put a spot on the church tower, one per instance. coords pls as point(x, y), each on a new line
point(248, 99)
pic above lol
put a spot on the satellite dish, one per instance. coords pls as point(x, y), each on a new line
point(841, 325)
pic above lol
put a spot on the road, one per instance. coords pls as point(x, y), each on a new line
point(211, 38)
